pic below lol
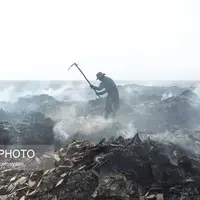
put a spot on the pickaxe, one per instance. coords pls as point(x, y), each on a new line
point(76, 65)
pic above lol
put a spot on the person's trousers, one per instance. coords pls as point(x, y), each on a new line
point(112, 103)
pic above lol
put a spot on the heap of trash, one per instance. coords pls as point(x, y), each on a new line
point(118, 169)
point(32, 128)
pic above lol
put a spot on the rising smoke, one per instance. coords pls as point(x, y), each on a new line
point(73, 115)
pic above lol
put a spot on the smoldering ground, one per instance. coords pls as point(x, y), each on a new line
point(77, 113)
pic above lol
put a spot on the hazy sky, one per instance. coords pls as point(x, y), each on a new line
point(127, 39)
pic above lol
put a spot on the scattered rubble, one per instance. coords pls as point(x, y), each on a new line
point(112, 169)
point(25, 128)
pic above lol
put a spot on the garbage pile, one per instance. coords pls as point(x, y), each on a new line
point(31, 128)
point(142, 105)
point(118, 169)
point(29, 103)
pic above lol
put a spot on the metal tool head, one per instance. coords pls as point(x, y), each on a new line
point(72, 66)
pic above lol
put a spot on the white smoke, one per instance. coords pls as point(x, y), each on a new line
point(71, 91)
point(70, 119)
point(178, 138)
point(197, 90)
point(128, 131)
point(59, 131)
point(10, 92)
point(86, 125)
point(166, 96)
point(58, 92)
point(75, 91)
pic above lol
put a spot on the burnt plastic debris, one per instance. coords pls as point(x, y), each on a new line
point(119, 169)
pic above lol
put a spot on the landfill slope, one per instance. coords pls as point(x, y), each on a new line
point(151, 165)
point(28, 128)
point(115, 169)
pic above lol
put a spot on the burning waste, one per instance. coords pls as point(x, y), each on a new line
point(112, 169)
point(162, 162)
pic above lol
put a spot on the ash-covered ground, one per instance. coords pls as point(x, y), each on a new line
point(157, 127)
point(69, 110)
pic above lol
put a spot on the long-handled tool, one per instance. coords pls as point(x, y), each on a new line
point(76, 65)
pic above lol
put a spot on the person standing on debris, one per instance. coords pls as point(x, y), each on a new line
point(109, 86)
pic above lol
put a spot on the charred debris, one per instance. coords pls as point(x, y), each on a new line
point(118, 168)
point(114, 168)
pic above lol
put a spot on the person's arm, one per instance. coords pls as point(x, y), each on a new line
point(100, 87)
point(102, 93)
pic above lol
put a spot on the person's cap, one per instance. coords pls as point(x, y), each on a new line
point(100, 74)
